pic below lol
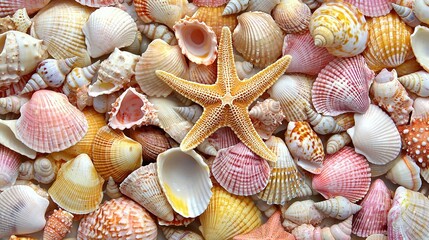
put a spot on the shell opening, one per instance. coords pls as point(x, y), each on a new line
point(197, 40)
point(131, 112)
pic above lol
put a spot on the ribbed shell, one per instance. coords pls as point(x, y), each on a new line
point(407, 15)
point(209, 3)
point(266, 117)
point(203, 74)
point(372, 8)
point(8, 7)
point(162, 11)
point(338, 207)
point(153, 140)
point(98, 3)
point(417, 82)
point(58, 225)
point(262, 5)
point(418, 40)
point(293, 16)
point(158, 31)
point(9, 167)
point(212, 16)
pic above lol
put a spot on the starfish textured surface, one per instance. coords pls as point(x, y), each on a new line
point(226, 102)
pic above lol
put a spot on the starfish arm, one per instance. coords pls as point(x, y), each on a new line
point(226, 73)
point(211, 119)
point(199, 93)
point(243, 127)
point(253, 87)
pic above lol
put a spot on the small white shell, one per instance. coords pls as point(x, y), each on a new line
point(421, 9)
point(337, 141)
point(338, 207)
point(235, 6)
point(26, 171)
point(301, 212)
point(406, 173)
point(45, 170)
point(112, 189)
point(417, 83)
point(12, 104)
point(158, 31)
point(419, 40)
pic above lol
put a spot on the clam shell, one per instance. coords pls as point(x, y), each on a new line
point(8, 7)
point(418, 39)
point(421, 9)
point(59, 223)
point(406, 173)
point(153, 141)
point(301, 212)
point(166, 12)
point(372, 8)
point(417, 82)
point(212, 16)
point(293, 16)
point(158, 31)
point(338, 207)
point(9, 167)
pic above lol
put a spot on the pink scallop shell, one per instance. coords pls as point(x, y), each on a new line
point(98, 3)
point(240, 171)
point(9, 7)
point(223, 138)
point(9, 167)
point(344, 173)
point(209, 3)
point(343, 86)
point(372, 8)
point(307, 58)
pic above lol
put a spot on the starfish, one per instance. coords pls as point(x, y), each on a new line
point(271, 230)
point(226, 102)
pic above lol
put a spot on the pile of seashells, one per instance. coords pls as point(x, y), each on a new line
point(214, 119)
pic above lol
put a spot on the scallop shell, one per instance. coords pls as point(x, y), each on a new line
point(58, 225)
point(45, 170)
point(375, 136)
point(421, 9)
point(179, 234)
point(212, 16)
point(8, 7)
point(372, 8)
point(153, 141)
point(258, 38)
point(119, 217)
point(166, 12)
point(98, 3)
point(12, 104)
point(223, 138)
point(407, 15)
point(408, 67)
point(293, 16)
point(340, 27)
point(418, 39)
point(142, 186)
point(158, 31)
point(417, 83)
point(235, 6)
point(22, 211)
point(59, 25)
point(9, 167)
point(108, 28)
point(406, 173)
point(203, 74)
point(49, 123)
point(338, 207)
point(337, 141)
point(344, 173)
point(353, 77)
point(266, 116)
point(239, 215)
point(382, 52)
point(209, 3)
point(262, 5)
point(339, 231)
point(301, 212)
point(112, 189)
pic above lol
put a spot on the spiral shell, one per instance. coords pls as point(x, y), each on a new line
point(266, 116)
point(417, 83)
point(407, 15)
point(301, 212)
point(59, 223)
point(12, 104)
point(262, 5)
point(338, 207)
point(78, 78)
point(158, 31)
point(339, 231)
point(337, 141)
point(45, 170)
point(235, 6)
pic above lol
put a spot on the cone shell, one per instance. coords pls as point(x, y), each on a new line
point(59, 25)
point(372, 8)
point(159, 56)
point(344, 173)
point(417, 82)
point(266, 116)
point(158, 31)
point(58, 225)
point(340, 27)
point(143, 186)
point(118, 217)
point(114, 154)
point(338, 207)
point(407, 15)
point(8, 7)
point(153, 141)
point(342, 230)
point(239, 215)
point(375, 136)
point(258, 38)
point(418, 39)
point(293, 16)
point(188, 168)
point(406, 173)
point(165, 12)
point(78, 187)
point(18, 203)
point(212, 16)
point(421, 8)
point(9, 167)
point(49, 123)
point(383, 52)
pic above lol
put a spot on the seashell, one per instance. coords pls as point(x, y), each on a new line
point(339, 231)
point(305, 146)
point(12, 104)
point(233, 210)
point(19, 56)
point(391, 96)
point(166, 12)
point(49, 73)
point(294, 94)
point(153, 141)
point(15, 88)
point(417, 83)
point(114, 154)
point(385, 53)
point(26, 171)
point(203, 74)
point(179, 234)
point(45, 170)
point(18, 203)
point(372, 218)
point(115, 26)
point(344, 173)
point(98, 3)
point(158, 31)
point(213, 17)
point(340, 27)
point(21, 20)
point(39, 190)
point(142, 186)
point(378, 170)
point(159, 56)
point(185, 201)
point(322, 124)
point(262, 5)
point(419, 36)
point(209, 3)
point(112, 189)
point(245, 69)
point(178, 220)
point(421, 108)
point(223, 138)
point(293, 16)
point(409, 208)
point(405, 3)
point(301, 212)
point(59, 25)
point(372, 8)
point(78, 186)
point(375, 136)
point(6, 24)
point(266, 116)
point(191, 8)
point(197, 40)
point(191, 113)
point(119, 217)
point(79, 77)
point(8, 7)
point(313, 4)
point(235, 6)
point(252, 35)
point(377, 237)
point(9, 167)
point(240, 171)
point(9, 139)
point(337, 141)
point(353, 77)
point(406, 173)
point(59, 223)
point(268, 210)
point(420, 8)
point(136, 45)
point(408, 67)
point(338, 207)
point(407, 15)
point(114, 73)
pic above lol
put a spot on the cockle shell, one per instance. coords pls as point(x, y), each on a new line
point(98, 3)
point(339, 231)
point(353, 77)
point(375, 136)
point(406, 173)
point(153, 141)
point(203, 74)
point(372, 8)
point(344, 173)
point(323, 124)
point(305, 146)
point(45, 170)
point(387, 52)
point(20, 54)
point(9, 167)
point(337, 141)
point(293, 16)
point(235, 6)
point(197, 40)
point(301, 212)
point(338, 207)
point(417, 83)
point(12, 104)
point(407, 15)
point(258, 38)
point(22, 211)
point(59, 223)
point(213, 17)
point(49, 123)
point(223, 138)
point(179, 234)
point(59, 25)
point(8, 7)
point(418, 39)
point(112, 189)
point(266, 116)
point(108, 28)
point(233, 210)
point(340, 27)
point(166, 12)
point(158, 31)
point(421, 9)
point(391, 96)
point(262, 5)
point(77, 78)
point(119, 217)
